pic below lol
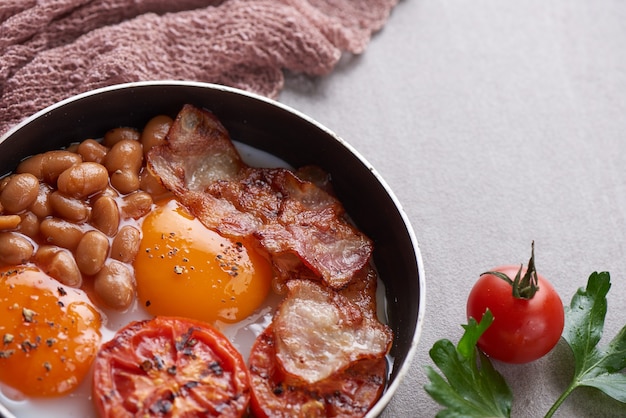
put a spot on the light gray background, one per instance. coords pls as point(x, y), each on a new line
point(495, 123)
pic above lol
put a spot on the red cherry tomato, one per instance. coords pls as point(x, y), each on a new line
point(348, 393)
point(527, 324)
point(170, 367)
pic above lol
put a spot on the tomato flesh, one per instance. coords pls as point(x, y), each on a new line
point(523, 330)
point(170, 367)
point(349, 393)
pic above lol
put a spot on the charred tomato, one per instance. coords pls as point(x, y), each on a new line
point(170, 366)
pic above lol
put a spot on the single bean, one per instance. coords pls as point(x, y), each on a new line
point(68, 208)
point(155, 131)
point(41, 206)
point(9, 222)
point(29, 224)
point(32, 165)
point(61, 233)
point(116, 135)
point(114, 285)
point(60, 264)
point(93, 151)
point(15, 248)
point(125, 181)
point(124, 155)
point(20, 191)
point(105, 215)
point(83, 179)
point(92, 252)
point(56, 162)
point(136, 205)
point(126, 244)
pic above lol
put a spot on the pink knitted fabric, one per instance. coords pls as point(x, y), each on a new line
point(52, 49)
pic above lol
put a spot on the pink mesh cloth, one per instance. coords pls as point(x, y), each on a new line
point(53, 49)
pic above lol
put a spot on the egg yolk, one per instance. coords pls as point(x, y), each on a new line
point(49, 333)
point(184, 269)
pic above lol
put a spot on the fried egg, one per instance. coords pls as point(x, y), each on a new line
point(184, 269)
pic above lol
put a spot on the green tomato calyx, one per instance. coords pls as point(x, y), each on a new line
point(524, 287)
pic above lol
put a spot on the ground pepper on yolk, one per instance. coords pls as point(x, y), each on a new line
point(50, 333)
point(194, 272)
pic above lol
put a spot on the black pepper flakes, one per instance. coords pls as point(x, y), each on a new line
point(47, 366)
point(183, 341)
point(8, 338)
point(6, 353)
point(28, 314)
point(148, 303)
point(191, 384)
point(50, 342)
point(162, 406)
point(216, 368)
point(62, 291)
point(27, 346)
point(171, 370)
point(158, 362)
point(278, 389)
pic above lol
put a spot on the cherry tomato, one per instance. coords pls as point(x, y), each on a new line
point(170, 367)
point(350, 393)
point(527, 310)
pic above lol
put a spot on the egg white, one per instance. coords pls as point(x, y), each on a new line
point(242, 334)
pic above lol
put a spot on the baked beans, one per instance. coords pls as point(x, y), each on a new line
point(76, 213)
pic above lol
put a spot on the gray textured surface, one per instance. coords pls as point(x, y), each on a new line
point(495, 123)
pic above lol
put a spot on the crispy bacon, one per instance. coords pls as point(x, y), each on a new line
point(287, 215)
point(319, 331)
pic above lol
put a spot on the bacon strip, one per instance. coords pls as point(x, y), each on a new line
point(320, 332)
point(288, 216)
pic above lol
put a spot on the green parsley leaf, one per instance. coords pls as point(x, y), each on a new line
point(472, 386)
point(584, 324)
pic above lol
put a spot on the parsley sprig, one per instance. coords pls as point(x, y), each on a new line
point(584, 324)
point(472, 387)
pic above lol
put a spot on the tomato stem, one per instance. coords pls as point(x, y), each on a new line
point(524, 287)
